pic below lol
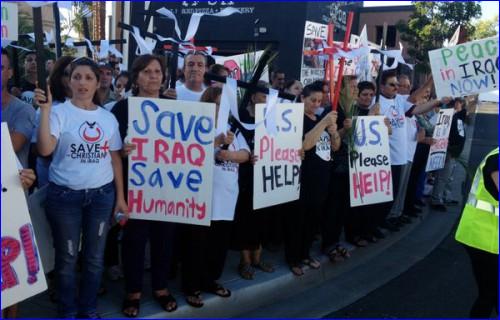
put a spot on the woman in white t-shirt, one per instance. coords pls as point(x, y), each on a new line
point(206, 247)
point(85, 185)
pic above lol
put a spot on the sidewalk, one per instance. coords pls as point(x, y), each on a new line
point(281, 294)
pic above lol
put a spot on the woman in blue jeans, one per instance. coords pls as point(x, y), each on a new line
point(85, 183)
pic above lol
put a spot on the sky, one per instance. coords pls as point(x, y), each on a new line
point(489, 8)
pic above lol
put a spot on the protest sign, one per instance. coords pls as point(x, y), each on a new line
point(312, 67)
point(236, 65)
point(9, 21)
point(437, 152)
point(465, 69)
point(170, 172)
point(22, 271)
point(369, 162)
point(277, 170)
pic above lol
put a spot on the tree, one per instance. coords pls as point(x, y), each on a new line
point(431, 24)
point(485, 28)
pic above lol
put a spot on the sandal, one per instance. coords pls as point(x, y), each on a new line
point(266, 267)
point(246, 271)
point(166, 301)
point(218, 290)
point(312, 263)
point(343, 252)
point(133, 304)
point(194, 299)
point(335, 256)
point(297, 270)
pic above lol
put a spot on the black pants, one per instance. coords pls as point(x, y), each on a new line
point(135, 235)
point(419, 163)
point(485, 268)
point(383, 209)
point(204, 251)
point(111, 252)
point(336, 212)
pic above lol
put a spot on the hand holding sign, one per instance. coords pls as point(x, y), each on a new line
point(42, 100)
point(229, 138)
point(330, 119)
point(28, 177)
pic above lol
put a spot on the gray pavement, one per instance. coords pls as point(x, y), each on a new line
point(329, 289)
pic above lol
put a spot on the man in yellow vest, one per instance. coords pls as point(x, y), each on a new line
point(478, 230)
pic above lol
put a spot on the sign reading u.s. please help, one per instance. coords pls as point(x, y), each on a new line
point(277, 170)
point(465, 69)
point(171, 170)
point(370, 176)
point(9, 21)
point(22, 271)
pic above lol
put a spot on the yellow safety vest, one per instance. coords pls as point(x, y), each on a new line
point(478, 227)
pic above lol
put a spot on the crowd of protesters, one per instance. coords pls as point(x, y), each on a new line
point(86, 203)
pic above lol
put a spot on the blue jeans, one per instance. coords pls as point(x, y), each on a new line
point(72, 213)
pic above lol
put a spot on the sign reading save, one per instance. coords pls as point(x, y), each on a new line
point(465, 69)
point(9, 21)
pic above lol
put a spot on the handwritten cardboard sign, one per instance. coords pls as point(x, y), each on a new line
point(465, 69)
point(370, 163)
point(22, 271)
point(277, 170)
point(236, 63)
point(437, 152)
point(9, 21)
point(170, 172)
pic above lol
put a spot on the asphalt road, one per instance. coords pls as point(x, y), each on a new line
point(441, 285)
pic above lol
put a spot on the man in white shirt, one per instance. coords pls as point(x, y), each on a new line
point(397, 107)
point(195, 66)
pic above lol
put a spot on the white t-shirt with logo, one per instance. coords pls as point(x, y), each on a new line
point(82, 158)
point(185, 94)
point(395, 110)
point(324, 146)
point(225, 183)
point(412, 137)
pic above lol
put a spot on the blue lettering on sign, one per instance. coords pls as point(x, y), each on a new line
point(194, 179)
point(176, 181)
point(286, 120)
point(166, 124)
point(135, 170)
point(374, 131)
point(360, 141)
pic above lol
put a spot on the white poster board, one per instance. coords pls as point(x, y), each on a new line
point(312, 67)
point(235, 64)
point(171, 170)
point(437, 152)
point(370, 176)
point(465, 69)
point(9, 21)
point(277, 170)
point(22, 270)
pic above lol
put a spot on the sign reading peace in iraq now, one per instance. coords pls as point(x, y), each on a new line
point(370, 163)
point(465, 69)
point(22, 272)
point(171, 170)
point(277, 170)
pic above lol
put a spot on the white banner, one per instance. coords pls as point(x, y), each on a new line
point(437, 152)
point(171, 171)
point(312, 67)
point(236, 63)
point(22, 271)
point(370, 176)
point(9, 21)
point(277, 170)
point(465, 69)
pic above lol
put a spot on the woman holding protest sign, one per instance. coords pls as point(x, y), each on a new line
point(85, 183)
point(320, 137)
point(147, 75)
point(205, 248)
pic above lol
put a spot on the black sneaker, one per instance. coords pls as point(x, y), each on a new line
point(439, 207)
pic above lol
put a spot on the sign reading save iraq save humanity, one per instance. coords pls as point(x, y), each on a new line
point(465, 69)
point(171, 170)
point(22, 271)
point(277, 170)
point(370, 163)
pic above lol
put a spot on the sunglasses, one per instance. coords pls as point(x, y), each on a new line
point(393, 84)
